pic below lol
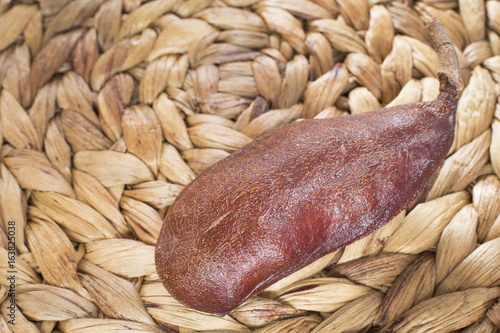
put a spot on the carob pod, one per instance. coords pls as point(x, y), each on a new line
point(301, 192)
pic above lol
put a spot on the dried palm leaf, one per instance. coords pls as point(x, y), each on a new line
point(14, 21)
point(173, 166)
point(200, 159)
point(53, 252)
point(461, 168)
point(33, 171)
point(91, 192)
point(375, 272)
point(17, 75)
point(258, 312)
point(447, 312)
point(17, 126)
point(473, 14)
point(475, 109)
point(423, 226)
point(107, 23)
point(79, 221)
point(112, 168)
point(124, 257)
point(13, 203)
point(380, 35)
point(355, 316)
point(122, 56)
point(477, 270)
point(324, 91)
point(164, 308)
point(457, 241)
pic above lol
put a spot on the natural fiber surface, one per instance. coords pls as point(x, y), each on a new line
point(108, 108)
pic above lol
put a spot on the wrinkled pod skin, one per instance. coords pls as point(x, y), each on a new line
point(295, 195)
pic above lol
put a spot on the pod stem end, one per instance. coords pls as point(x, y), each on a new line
point(448, 65)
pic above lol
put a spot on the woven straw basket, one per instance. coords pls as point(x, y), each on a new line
point(110, 107)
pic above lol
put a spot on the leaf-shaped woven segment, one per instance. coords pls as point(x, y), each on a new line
point(340, 35)
point(286, 25)
point(121, 57)
point(143, 16)
point(142, 219)
point(142, 135)
point(362, 100)
point(111, 101)
point(71, 16)
point(495, 145)
point(107, 24)
point(415, 284)
point(164, 308)
point(217, 136)
point(125, 257)
point(17, 76)
point(74, 94)
point(158, 194)
point(13, 22)
point(178, 36)
point(476, 270)
point(64, 304)
point(294, 83)
point(106, 325)
point(112, 168)
point(25, 274)
point(51, 57)
point(486, 198)
point(173, 166)
point(53, 253)
point(259, 311)
point(90, 191)
point(271, 120)
point(372, 244)
point(448, 312)
point(57, 149)
point(422, 227)
point(453, 176)
point(475, 108)
point(374, 272)
point(410, 93)
point(233, 18)
point(22, 324)
point(200, 159)
point(155, 78)
point(13, 202)
point(80, 222)
point(278, 288)
point(457, 241)
point(81, 134)
point(396, 70)
point(115, 296)
point(85, 54)
point(322, 294)
point(17, 127)
point(380, 35)
point(32, 170)
point(324, 91)
point(172, 123)
point(354, 316)
point(301, 324)
point(473, 15)
point(366, 71)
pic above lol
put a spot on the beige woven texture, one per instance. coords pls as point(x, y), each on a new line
point(109, 108)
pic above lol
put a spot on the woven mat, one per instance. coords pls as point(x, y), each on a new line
point(109, 108)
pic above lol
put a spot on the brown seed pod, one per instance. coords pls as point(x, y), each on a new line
point(301, 191)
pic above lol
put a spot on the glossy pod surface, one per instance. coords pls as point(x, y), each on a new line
point(295, 195)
